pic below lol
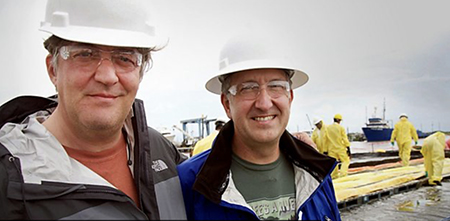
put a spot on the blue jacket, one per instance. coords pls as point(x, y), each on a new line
point(210, 194)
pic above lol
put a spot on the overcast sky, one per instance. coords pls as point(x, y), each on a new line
point(356, 53)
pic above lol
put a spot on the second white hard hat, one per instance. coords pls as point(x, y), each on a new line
point(104, 22)
point(248, 51)
point(316, 120)
point(221, 120)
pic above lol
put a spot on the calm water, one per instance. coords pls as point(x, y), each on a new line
point(364, 146)
point(425, 203)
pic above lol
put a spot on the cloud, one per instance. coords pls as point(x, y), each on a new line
point(357, 53)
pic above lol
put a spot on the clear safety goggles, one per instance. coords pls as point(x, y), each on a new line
point(251, 90)
point(89, 58)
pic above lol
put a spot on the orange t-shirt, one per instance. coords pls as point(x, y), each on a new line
point(111, 164)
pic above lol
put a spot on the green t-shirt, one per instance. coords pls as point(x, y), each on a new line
point(269, 188)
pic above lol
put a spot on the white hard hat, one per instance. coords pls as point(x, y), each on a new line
point(104, 22)
point(316, 120)
point(246, 52)
point(403, 115)
point(221, 120)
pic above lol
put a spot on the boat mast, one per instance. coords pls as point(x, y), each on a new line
point(366, 116)
point(384, 108)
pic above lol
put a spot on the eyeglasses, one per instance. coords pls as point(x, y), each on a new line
point(89, 58)
point(251, 90)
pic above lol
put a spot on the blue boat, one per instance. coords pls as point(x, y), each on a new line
point(375, 132)
point(377, 129)
point(421, 134)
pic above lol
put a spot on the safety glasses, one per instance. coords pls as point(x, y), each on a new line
point(251, 90)
point(89, 58)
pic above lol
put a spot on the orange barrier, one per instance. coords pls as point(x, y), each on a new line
point(382, 166)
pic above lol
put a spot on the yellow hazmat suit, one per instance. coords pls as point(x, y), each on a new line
point(320, 138)
point(337, 148)
point(403, 132)
point(434, 155)
point(205, 143)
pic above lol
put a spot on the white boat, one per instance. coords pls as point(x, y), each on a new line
point(167, 133)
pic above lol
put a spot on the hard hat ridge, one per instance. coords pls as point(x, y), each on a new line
point(316, 120)
point(104, 22)
point(403, 115)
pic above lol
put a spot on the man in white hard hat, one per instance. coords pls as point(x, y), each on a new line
point(404, 132)
point(87, 153)
point(206, 143)
point(320, 136)
point(256, 169)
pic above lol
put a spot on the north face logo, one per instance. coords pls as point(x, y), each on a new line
point(159, 165)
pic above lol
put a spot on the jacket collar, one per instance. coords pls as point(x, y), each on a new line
point(17, 109)
point(213, 177)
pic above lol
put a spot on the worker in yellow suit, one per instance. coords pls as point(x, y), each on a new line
point(320, 136)
point(206, 143)
point(434, 155)
point(403, 132)
point(339, 146)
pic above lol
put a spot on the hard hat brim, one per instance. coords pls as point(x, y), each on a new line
point(298, 79)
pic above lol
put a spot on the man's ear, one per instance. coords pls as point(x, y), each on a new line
point(51, 69)
point(292, 96)
point(226, 104)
